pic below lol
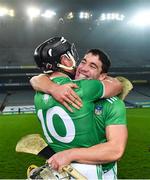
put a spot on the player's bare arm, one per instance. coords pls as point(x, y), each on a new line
point(110, 151)
point(65, 94)
point(62, 93)
point(112, 86)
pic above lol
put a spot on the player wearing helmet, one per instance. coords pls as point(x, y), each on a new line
point(47, 55)
point(64, 129)
point(109, 116)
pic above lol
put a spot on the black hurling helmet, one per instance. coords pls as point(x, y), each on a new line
point(48, 54)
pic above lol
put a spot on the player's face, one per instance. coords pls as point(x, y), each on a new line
point(90, 67)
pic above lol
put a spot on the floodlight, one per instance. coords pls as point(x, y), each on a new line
point(121, 17)
point(70, 15)
point(11, 12)
point(3, 11)
point(84, 15)
point(111, 17)
point(6, 12)
point(141, 18)
point(33, 12)
point(103, 17)
point(48, 14)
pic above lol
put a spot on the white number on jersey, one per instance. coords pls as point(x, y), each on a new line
point(66, 119)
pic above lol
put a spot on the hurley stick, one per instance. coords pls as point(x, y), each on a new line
point(35, 144)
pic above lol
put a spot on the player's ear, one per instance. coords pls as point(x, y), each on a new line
point(102, 76)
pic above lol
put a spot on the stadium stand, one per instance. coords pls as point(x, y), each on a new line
point(139, 96)
point(16, 91)
point(11, 56)
point(21, 97)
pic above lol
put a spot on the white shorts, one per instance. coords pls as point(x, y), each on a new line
point(95, 172)
point(91, 172)
point(111, 174)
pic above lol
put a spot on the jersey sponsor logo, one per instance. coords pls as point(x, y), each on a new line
point(45, 98)
point(98, 110)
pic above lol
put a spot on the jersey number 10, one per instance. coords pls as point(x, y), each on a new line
point(48, 126)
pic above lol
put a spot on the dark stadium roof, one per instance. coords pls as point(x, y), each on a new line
point(127, 45)
point(79, 4)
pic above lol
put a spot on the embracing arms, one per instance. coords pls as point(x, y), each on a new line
point(110, 151)
point(62, 93)
point(65, 94)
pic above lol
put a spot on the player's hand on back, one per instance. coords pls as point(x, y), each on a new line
point(62, 93)
point(66, 96)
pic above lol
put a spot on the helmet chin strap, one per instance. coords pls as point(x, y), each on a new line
point(72, 59)
point(69, 56)
point(47, 72)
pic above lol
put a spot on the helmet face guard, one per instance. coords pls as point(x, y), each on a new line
point(73, 52)
point(73, 56)
point(48, 54)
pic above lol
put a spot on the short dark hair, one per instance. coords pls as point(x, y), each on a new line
point(103, 57)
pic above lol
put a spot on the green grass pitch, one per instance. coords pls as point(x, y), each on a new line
point(134, 165)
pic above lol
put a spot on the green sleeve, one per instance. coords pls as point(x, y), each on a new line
point(43, 101)
point(115, 111)
point(92, 89)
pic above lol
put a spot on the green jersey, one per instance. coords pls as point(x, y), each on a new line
point(64, 129)
point(108, 112)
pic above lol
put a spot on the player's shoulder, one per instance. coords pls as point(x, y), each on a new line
point(114, 101)
point(88, 82)
point(61, 79)
point(114, 104)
